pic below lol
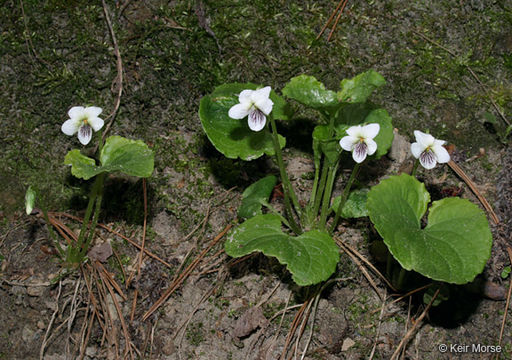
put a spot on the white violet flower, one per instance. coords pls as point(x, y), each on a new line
point(256, 104)
point(360, 141)
point(83, 121)
point(429, 150)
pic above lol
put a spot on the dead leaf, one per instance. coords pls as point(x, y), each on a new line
point(249, 321)
point(100, 252)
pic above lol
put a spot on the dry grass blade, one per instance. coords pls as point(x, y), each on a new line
point(473, 188)
point(413, 329)
point(509, 251)
point(50, 324)
point(141, 254)
point(337, 20)
point(119, 78)
point(330, 19)
point(108, 284)
point(401, 297)
point(111, 280)
point(175, 284)
point(112, 231)
point(293, 328)
point(377, 333)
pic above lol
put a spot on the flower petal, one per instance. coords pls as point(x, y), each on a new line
point(417, 149)
point(92, 111)
point(264, 105)
point(76, 112)
point(70, 127)
point(257, 120)
point(370, 131)
point(96, 123)
point(441, 154)
point(85, 134)
point(428, 159)
point(424, 139)
point(245, 96)
point(360, 152)
point(261, 93)
point(372, 146)
point(355, 131)
point(347, 142)
point(238, 111)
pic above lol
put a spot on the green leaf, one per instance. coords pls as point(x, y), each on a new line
point(453, 247)
point(355, 206)
point(329, 145)
point(364, 113)
point(255, 195)
point(232, 137)
point(308, 91)
point(30, 199)
point(131, 157)
point(310, 257)
point(360, 87)
point(82, 167)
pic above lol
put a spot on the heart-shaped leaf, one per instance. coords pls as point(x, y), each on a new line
point(364, 113)
point(309, 91)
point(131, 157)
point(453, 247)
point(310, 257)
point(232, 137)
point(255, 195)
point(355, 206)
point(360, 87)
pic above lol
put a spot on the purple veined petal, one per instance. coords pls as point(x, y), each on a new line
point(238, 111)
point(441, 154)
point(372, 146)
point(355, 131)
point(76, 112)
point(70, 127)
point(257, 120)
point(360, 151)
point(245, 96)
point(424, 139)
point(370, 131)
point(85, 134)
point(96, 123)
point(428, 159)
point(417, 149)
point(347, 142)
point(92, 111)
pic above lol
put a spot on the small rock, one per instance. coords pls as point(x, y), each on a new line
point(27, 333)
point(347, 344)
point(399, 148)
point(41, 325)
point(90, 351)
point(249, 321)
point(35, 291)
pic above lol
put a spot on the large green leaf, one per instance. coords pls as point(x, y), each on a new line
point(360, 87)
point(232, 137)
point(309, 91)
point(355, 206)
point(255, 195)
point(453, 247)
point(310, 257)
point(364, 113)
point(131, 157)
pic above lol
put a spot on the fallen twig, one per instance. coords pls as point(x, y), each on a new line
point(509, 251)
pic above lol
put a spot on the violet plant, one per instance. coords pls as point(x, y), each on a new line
point(115, 154)
point(452, 248)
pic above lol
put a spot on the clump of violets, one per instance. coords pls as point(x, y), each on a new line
point(255, 104)
point(83, 120)
point(429, 150)
point(360, 141)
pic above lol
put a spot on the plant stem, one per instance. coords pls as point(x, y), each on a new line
point(275, 212)
point(344, 196)
point(99, 198)
point(401, 278)
point(288, 190)
point(415, 167)
point(327, 194)
point(321, 187)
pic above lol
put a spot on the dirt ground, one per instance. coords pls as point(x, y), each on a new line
point(448, 66)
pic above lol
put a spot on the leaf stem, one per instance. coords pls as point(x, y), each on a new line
point(415, 167)
point(344, 196)
point(288, 189)
point(327, 194)
point(99, 198)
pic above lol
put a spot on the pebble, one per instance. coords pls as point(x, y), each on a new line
point(35, 290)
